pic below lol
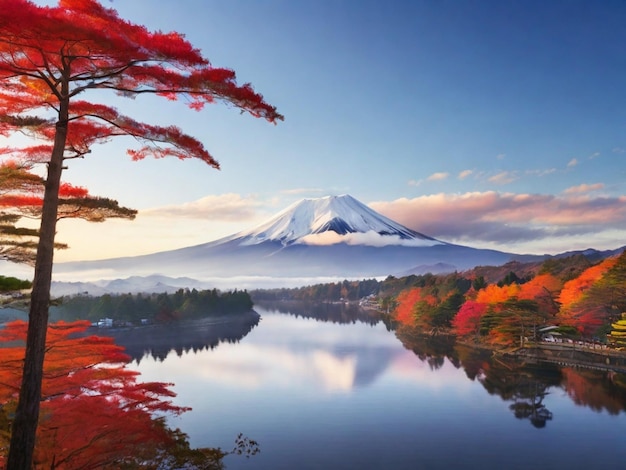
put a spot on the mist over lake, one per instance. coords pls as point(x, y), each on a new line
point(334, 387)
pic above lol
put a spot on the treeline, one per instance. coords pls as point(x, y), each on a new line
point(330, 292)
point(9, 284)
point(161, 308)
point(582, 299)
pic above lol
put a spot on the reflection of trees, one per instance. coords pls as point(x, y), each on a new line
point(183, 336)
point(528, 402)
point(337, 312)
point(524, 385)
point(430, 349)
point(600, 391)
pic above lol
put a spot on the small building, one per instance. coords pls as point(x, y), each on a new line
point(105, 323)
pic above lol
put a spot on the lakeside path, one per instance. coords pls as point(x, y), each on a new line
point(585, 355)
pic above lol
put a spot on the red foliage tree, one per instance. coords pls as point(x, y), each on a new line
point(467, 320)
point(94, 413)
point(49, 58)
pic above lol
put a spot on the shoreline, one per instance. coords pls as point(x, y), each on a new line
point(563, 354)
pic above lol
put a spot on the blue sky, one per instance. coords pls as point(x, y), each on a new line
point(497, 124)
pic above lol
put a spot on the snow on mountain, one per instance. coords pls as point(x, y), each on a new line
point(330, 220)
point(334, 237)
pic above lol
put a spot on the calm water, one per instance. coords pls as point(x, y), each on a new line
point(343, 392)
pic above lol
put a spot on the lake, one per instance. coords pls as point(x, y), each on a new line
point(332, 387)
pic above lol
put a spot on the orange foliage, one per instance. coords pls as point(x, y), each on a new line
point(94, 412)
point(493, 294)
point(539, 286)
point(406, 303)
point(573, 290)
point(543, 289)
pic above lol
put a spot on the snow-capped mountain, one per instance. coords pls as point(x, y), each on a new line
point(329, 220)
point(314, 240)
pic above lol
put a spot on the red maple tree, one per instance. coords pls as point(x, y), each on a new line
point(50, 59)
point(94, 413)
point(467, 320)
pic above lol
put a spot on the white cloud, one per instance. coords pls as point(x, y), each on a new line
point(225, 207)
point(504, 177)
point(501, 156)
point(584, 188)
point(572, 163)
point(438, 176)
point(464, 174)
point(370, 238)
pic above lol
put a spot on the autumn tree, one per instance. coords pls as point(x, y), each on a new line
point(493, 294)
point(467, 320)
point(513, 321)
point(51, 58)
point(543, 289)
point(595, 298)
point(95, 413)
point(405, 307)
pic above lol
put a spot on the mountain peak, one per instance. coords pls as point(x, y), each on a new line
point(330, 220)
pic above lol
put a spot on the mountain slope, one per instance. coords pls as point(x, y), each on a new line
point(331, 237)
point(308, 220)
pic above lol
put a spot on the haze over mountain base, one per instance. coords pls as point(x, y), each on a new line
point(313, 241)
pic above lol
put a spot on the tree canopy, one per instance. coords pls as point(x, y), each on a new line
point(51, 59)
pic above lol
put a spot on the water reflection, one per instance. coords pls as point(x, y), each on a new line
point(525, 385)
point(333, 312)
point(335, 392)
point(157, 341)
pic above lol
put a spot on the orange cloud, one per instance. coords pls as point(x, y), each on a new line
point(584, 188)
point(504, 177)
point(464, 174)
point(438, 176)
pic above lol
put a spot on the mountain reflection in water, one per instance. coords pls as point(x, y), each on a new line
point(524, 385)
point(334, 387)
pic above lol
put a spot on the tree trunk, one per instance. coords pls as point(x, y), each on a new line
point(24, 428)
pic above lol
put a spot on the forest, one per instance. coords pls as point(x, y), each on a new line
point(184, 304)
point(12, 284)
point(585, 298)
